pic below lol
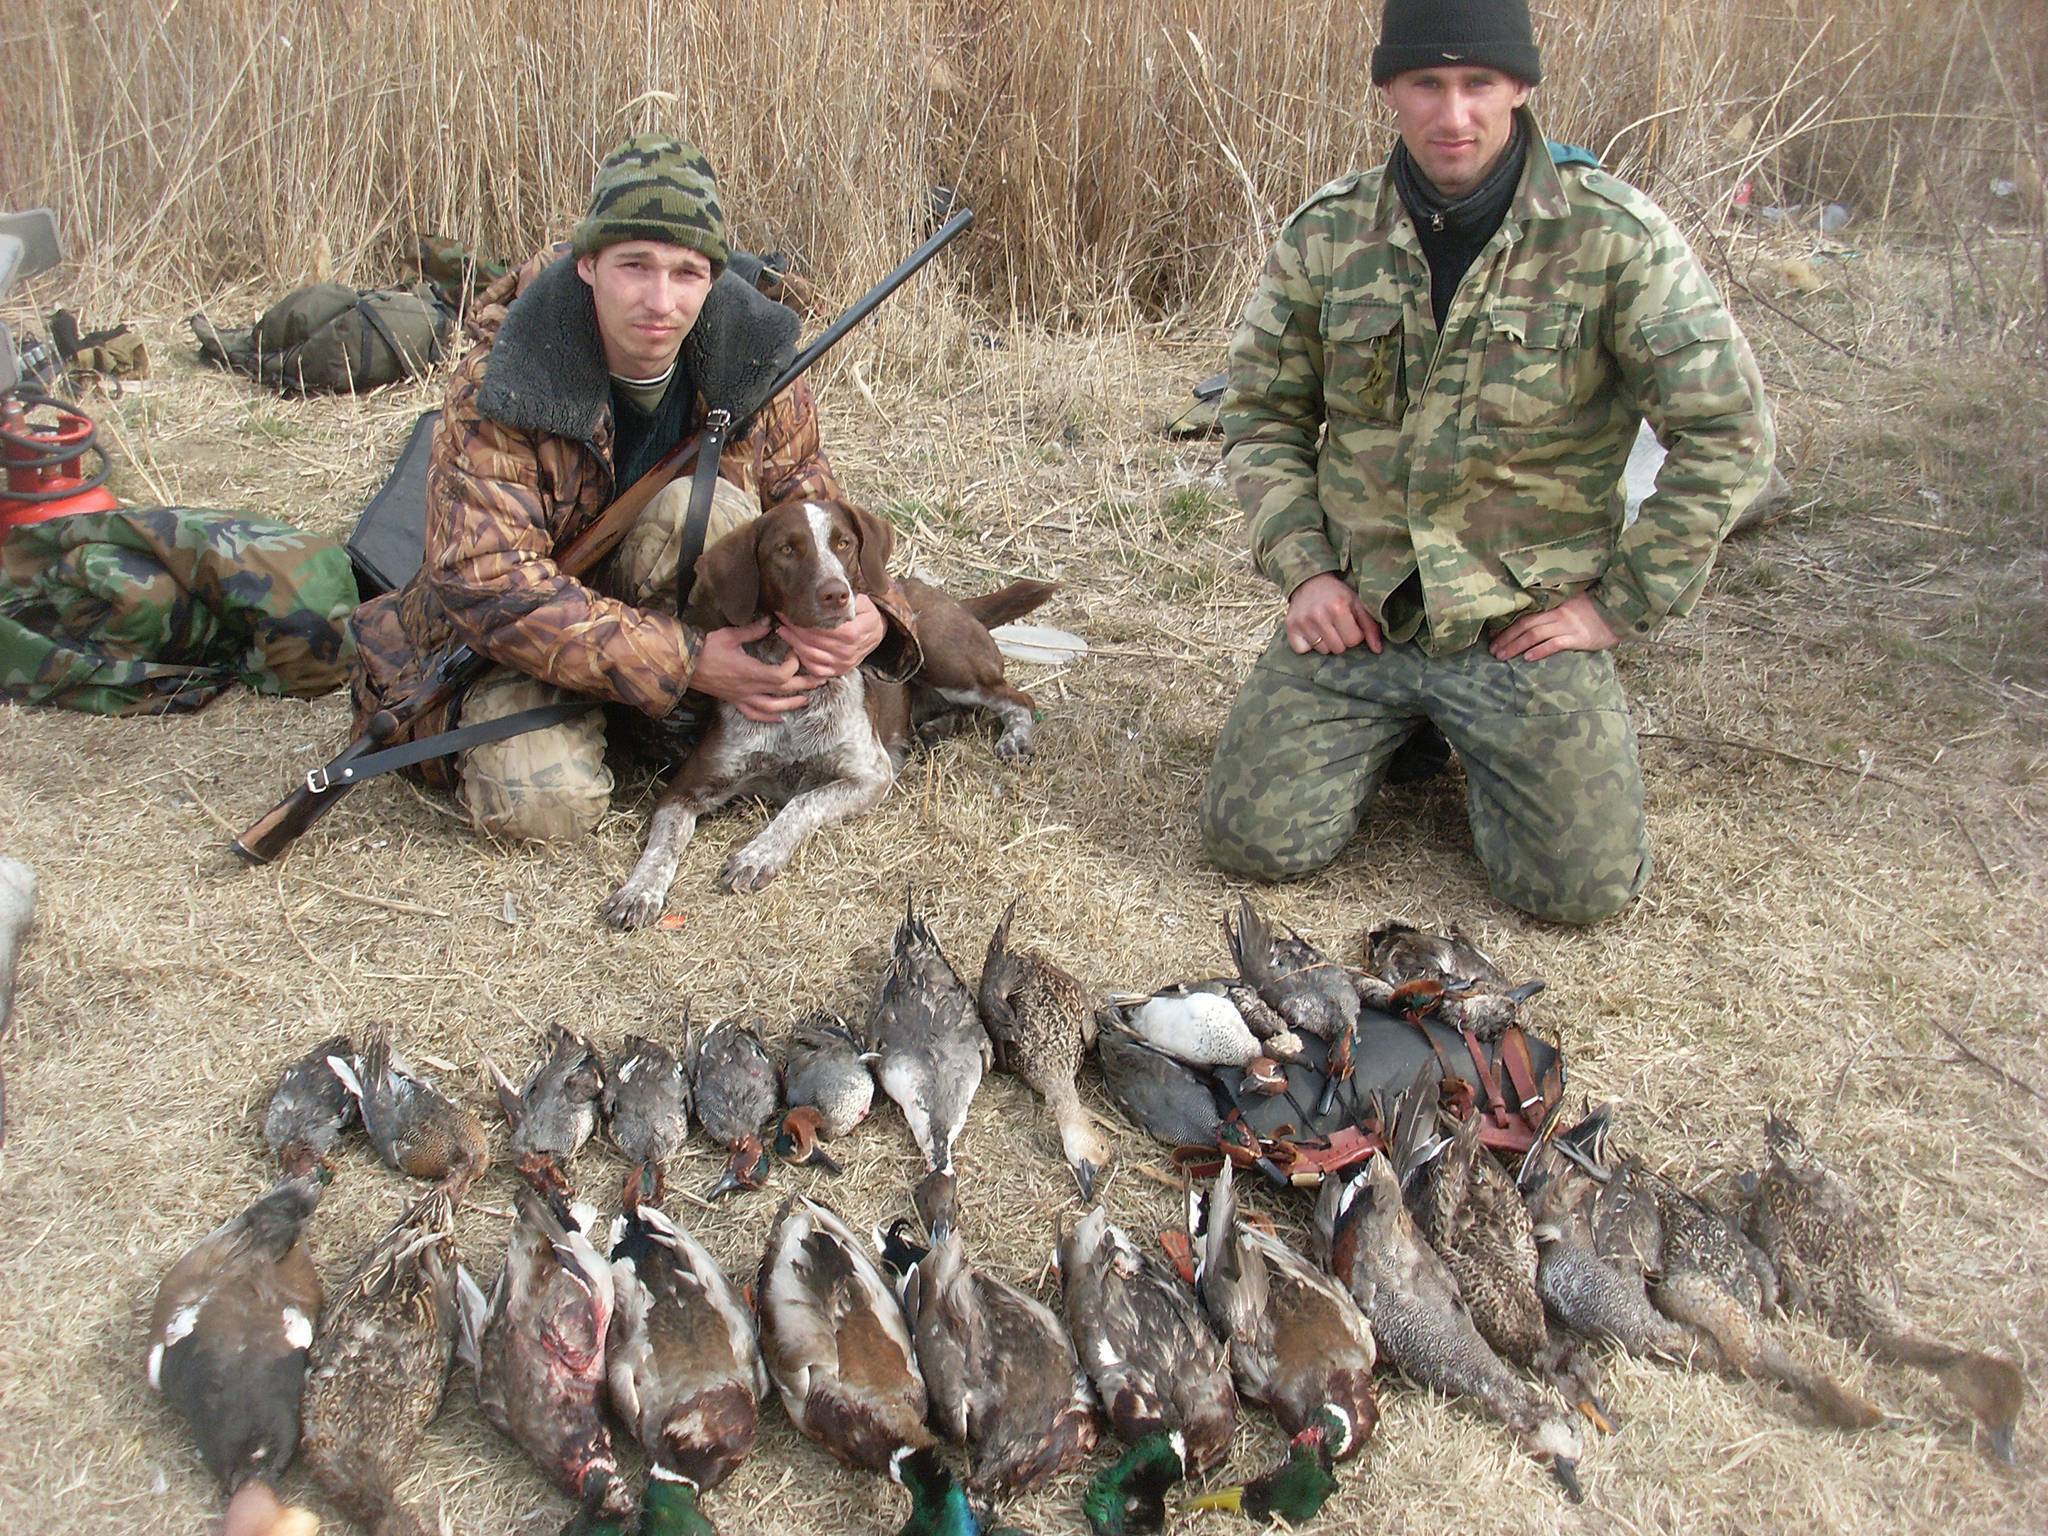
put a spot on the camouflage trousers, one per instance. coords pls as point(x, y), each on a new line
point(553, 785)
point(1555, 793)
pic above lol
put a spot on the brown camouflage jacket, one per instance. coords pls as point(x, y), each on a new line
point(1489, 458)
point(522, 462)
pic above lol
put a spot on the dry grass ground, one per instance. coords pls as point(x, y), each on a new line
point(1848, 790)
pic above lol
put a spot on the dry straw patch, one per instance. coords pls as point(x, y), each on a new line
point(1848, 778)
point(1813, 930)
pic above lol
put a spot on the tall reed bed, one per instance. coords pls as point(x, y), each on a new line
point(1128, 158)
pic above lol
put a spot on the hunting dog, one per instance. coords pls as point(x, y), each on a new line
point(837, 756)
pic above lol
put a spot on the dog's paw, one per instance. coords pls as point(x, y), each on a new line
point(748, 870)
point(1014, 746)
point(634, 907)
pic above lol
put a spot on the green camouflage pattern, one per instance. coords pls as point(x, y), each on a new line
point(654, 187)
point(1553, 787)
point(1489, 459)
point(156, 610)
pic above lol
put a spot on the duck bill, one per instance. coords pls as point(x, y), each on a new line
point(820, 1158)
point(747, 1170)
point(1596, 1413)
point(1085, 1175)
point(1230, 1500)
point(2001, 1442)
point(1566, 1471)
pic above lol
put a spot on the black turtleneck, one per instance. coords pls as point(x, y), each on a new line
point(1453, 232)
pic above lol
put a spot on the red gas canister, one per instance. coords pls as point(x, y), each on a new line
point(46, 474)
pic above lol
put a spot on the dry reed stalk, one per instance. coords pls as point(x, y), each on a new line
point(1126, 158)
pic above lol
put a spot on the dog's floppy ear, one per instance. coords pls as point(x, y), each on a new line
point(877, 543)
point(729, 573)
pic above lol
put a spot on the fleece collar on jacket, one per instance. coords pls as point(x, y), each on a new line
point(547, 372)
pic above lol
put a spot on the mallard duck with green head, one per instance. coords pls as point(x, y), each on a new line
point(1156, 1363)
point(681, 1359)
point(999, 1369)
point(835, 1340)
point(228, 1344)
point(1298, 1342)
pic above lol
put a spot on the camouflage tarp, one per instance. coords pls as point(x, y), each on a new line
point(151, 610)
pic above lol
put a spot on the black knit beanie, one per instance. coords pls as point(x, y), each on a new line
point(1480, 34)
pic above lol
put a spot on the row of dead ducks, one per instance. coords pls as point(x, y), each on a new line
point(1435, 1259)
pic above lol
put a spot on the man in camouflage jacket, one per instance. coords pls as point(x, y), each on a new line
point(1432, 397)
point(594, 359)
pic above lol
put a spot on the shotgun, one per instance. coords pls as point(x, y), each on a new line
point(458, 667)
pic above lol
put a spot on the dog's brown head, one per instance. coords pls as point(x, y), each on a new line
point(805, 560)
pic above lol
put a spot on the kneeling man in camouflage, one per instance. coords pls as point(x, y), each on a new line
point(1432, 397)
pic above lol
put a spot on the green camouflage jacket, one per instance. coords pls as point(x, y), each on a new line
point(1490, 458)
point(155, 610)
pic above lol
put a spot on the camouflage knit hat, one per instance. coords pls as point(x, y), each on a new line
point(653, 187)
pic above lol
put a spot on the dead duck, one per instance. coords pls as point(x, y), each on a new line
point(1298, 1342)
point(835, 1342)
point(311, 1108)
point(1469, 1210)
point(1201, 1028)
point(1419, 1320)
point(1297, 1489)
point(827, 1087)
point(1303, 985)
point(1838, 1264)
point(556, 1112)
point(646, 1106)
point(1157, 1365)
point(1399, 952)
point(732, 1085)
point(228, 1342)
point(1129, 1496)
point(413, 1126)
point(1594, 1251)
point(1717, 1280)
point(378, 1367)
point(999, 1370)
point(536, 1345)
point(1174, 1103)
point(929, 1049)
point(1039, 1021)
point(681, 1358)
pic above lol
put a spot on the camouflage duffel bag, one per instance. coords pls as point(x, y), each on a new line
point(334, 339)
point(155, 610)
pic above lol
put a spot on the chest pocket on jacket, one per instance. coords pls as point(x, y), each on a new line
point(1526, 375)
point(1362, 362)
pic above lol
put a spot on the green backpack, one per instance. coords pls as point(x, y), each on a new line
point(333, 339)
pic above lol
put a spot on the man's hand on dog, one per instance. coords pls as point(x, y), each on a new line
point(836, 651)
point(762, 691)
